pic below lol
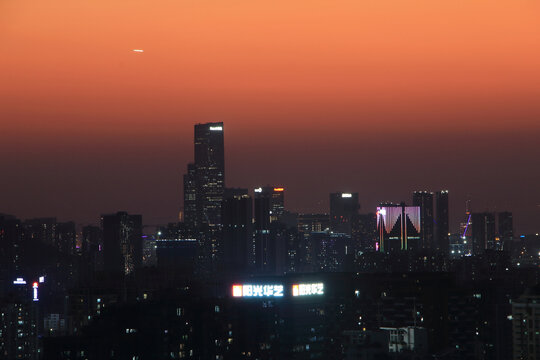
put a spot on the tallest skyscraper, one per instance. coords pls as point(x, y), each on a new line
point(205, 180)
point(204, 185)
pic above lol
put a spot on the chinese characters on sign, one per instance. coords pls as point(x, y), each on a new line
point(262, 291)
point(308, 289)
point(255, 290)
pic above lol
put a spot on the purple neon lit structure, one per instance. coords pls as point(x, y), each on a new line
point(388, 217)
point(467, 226)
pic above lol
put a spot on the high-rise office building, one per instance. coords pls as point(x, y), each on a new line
point(506, 229)
point(526, 325)
point(19, 322)
point(483, 232)
point(277, 203)
point(190, 196)
point(343, 211)
point(209, 172)
point(306, 225)
point(203, 193)
point(424, 199)
point(269, 236)
point(264, 248)
point(398, 227)
point(237, 215)
point(10, 244)
point(442, 227)
point(122, 243)
point(276, 196)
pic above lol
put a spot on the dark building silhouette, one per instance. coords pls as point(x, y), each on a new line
point(290, 239)
point(271, 236)
point(122, 243)
point(40, 229)
point(203, 193)
point(364, 232)
point(278, 203)
point(19, 322)
point(525, 320)
point(237, 215)
point(276, 195)
point(66, 237)
point(10, 244)
point(331, 251)
point(91, 246)
point(506, 229)
point(456, 321)
point(176, 254)
point(92, 240)
point(60, 235)
point(343, 211)
point(190, 196)
point(483, 232)
point(308, 223)
point(264, 247)
point(424, 199)
point(442, 227)
point(209, 173)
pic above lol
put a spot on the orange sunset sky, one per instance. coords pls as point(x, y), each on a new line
point(381, 97)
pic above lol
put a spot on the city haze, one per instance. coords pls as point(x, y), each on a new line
point(380, 98)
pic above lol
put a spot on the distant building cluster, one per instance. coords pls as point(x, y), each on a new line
point(243, 277)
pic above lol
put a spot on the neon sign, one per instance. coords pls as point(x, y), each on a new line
point(19, 281)
point(256, 290)
point(35, 286)
point(276, 290)
point(308, 289)
point(216, 128)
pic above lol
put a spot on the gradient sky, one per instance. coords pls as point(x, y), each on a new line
point(381, 97)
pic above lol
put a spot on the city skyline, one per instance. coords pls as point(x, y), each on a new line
point(305, 179)
point(316, 97)
point(316, 202)
point(234, 246)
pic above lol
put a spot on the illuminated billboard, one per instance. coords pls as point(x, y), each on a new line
point(308, 289)
point(35, 287)
point(276, 290)
point(19, 281)
point(257, 290)
point(394, 226)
